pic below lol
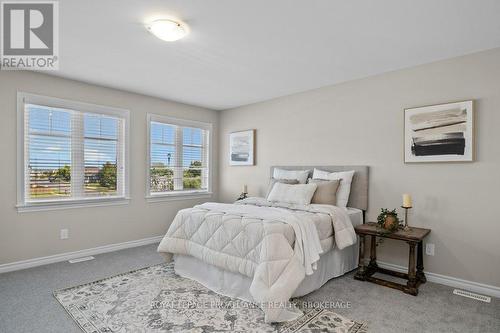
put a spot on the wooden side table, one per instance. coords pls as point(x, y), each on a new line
point(413, 237)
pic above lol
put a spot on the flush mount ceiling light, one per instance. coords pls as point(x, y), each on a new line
point(167, 30)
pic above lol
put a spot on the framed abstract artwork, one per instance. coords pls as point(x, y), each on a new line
point(439, 133)
point(242, 148)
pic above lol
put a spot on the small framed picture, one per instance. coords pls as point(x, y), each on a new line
point(439, 133)
point(242, 148)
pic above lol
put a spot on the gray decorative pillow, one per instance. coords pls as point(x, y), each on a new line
point(284, 181)
point(326, 193)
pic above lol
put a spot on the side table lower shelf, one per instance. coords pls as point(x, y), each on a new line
point(415, 275)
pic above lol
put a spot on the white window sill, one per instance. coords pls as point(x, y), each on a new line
point(67, 204)
point(178, 196)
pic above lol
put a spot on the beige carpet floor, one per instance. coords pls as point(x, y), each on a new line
point(27, 304)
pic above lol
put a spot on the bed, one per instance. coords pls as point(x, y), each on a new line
point(261, 251)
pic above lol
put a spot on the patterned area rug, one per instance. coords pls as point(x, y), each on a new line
point(155, 299)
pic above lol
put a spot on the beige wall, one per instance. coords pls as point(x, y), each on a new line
point(358, 122)
point(36, 234)
point(361, 122)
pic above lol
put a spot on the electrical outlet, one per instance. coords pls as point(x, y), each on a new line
point(429, 249)
point(64, 234)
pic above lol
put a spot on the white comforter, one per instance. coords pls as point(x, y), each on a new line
point(274, 244)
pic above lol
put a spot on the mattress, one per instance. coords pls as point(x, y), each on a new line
point(356, 216)
point(332, 264)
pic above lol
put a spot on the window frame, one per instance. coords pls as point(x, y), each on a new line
point(50, 204)
point(178, 195)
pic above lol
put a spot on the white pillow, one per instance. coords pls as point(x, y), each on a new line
point(300, 175)
point(345, 183)
point(300, 194)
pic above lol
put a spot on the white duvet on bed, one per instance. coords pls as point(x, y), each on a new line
point(275, 245)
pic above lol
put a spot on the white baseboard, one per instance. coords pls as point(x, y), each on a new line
point(450, 281)
point(432, 277)
point(18, 265)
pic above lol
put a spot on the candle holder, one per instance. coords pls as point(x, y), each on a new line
point(242, 196)
point(406, 226)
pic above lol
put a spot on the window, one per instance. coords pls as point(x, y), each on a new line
point(179, 157)
point(70, 153)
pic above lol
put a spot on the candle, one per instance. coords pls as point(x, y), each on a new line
point(407, 201)
point(245, 188)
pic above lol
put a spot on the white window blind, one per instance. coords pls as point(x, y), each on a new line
point(72, 151)
point(179, 156)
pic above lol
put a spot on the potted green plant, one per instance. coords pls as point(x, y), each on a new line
point(388, 220)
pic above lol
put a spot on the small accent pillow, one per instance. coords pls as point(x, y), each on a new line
point(284, 181)
point(344, 187)
point(300, 194)
point(326, 193)
point(300, 175)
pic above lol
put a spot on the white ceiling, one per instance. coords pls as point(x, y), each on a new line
point(241, 52)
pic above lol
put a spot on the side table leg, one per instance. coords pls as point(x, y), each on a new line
point(420, 263)
point(372, 266)
point(411, 286)
point(360, 274)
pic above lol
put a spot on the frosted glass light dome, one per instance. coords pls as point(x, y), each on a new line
point(167, 30)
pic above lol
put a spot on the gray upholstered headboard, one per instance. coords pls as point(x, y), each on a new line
point(359, 187)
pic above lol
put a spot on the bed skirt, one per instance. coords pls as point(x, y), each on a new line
point(331, 264)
